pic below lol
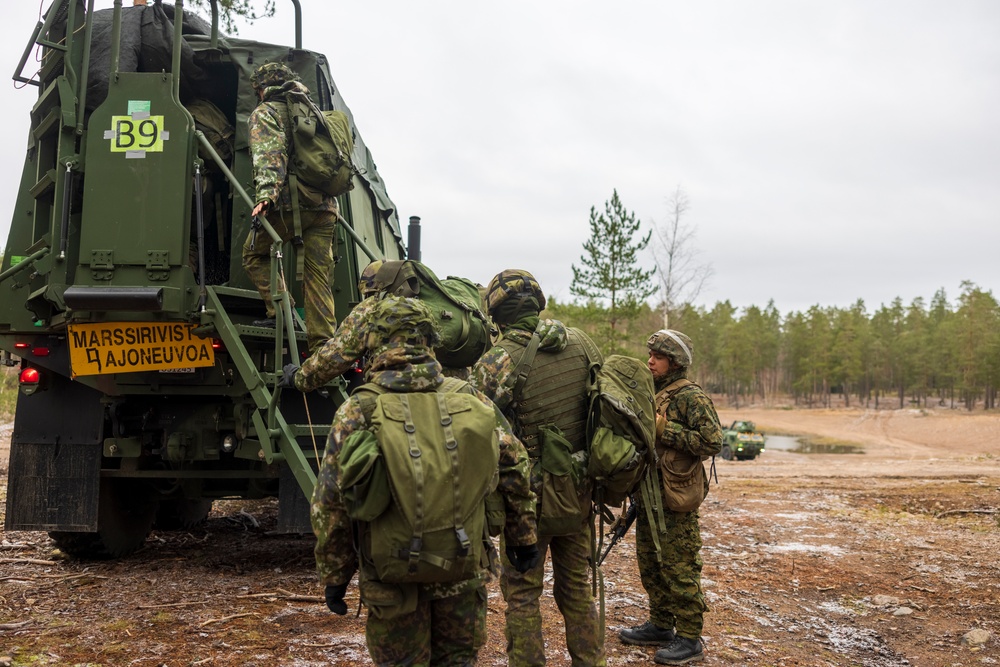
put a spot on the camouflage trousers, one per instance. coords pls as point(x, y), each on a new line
point(319, 236)
point(674, 583)
point(572, 591)
point(447, 631)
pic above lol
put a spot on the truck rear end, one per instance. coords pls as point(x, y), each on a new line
point(146, 390)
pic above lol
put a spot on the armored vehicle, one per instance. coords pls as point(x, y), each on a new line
point(742, 441)
point(147, 392)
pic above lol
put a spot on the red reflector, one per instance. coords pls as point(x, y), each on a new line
point(217, 344)
point(40, 351)
point(30, 376)
point(21, 346)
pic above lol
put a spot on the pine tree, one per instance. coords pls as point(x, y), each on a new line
point(609, 268)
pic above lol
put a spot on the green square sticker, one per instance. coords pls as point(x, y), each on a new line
point(141, 106)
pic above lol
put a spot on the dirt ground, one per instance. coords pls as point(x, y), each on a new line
point(881, 558)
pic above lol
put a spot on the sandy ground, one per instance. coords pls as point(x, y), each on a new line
point(881, 558)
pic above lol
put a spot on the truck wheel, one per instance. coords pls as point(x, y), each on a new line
point(727, 453)
point(125, 513)
point(181, 513)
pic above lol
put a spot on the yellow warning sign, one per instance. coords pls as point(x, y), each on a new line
point(128, 347)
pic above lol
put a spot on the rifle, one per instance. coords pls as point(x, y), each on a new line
point(620, 527)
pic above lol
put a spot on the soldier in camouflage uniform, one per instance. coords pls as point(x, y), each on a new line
point(270, 143)
point(338, 354)
point(686, 422)
point(440, 624)
point(514, 301)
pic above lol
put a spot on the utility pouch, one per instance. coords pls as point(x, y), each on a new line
point(685, 484)
point(496, 513)
point(565, 497)
point(387, 601)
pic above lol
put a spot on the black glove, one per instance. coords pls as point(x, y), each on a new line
point(335, 598)
point(523, 558)
point(287, 380)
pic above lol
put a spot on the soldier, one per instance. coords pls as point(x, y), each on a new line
point(338, 354)
point(440, 623)
point(549, 404)
point(315, 230)
point(687, 426)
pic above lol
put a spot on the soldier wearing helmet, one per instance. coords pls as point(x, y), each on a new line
point(349, 343)
point(367, 285)
point(688, 432)
point(402, 618)
point(538, 373)
point(312, 225)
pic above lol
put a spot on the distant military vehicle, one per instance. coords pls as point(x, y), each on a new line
point(742, 441)
point(146, 390)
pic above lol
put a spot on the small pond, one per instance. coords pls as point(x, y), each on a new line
point(788, 443)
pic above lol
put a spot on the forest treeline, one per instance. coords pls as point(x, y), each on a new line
point(937, 354)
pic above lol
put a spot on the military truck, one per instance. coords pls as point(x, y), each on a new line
point(146, 390)
point(742, 441)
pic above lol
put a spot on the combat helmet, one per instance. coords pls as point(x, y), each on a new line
point(397, 319)
point(672, 343)
point(513, 283)
point(271, 74)
point(367, 285)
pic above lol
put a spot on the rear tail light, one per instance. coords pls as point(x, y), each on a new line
point(30, 380)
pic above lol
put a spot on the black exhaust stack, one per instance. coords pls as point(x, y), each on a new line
point(413, 239)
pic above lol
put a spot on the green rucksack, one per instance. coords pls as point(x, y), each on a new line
point(322, 143)
point(621, 427)
point(215, 126)
point(455, 302)
point(419, 494)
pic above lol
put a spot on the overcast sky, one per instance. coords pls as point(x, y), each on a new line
point(830, 151)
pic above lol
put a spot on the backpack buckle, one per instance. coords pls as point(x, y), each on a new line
point(298, 241)
point(463, 539)
point(415, 545)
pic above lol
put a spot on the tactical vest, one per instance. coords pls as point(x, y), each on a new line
point(555, 392)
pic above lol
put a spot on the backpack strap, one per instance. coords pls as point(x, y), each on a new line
point(519, 376)
point(293, 188)
point(666, 394)
point(367, 395)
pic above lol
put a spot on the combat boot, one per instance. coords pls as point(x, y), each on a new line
point(681, 651)
point(647, 634)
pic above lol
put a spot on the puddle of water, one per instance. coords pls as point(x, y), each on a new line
point(787, 443)
point(830, 549)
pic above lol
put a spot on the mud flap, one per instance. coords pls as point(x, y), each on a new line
point(293, 506)
point(53, 487)
point(55, 459)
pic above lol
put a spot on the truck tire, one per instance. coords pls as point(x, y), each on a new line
point(125, 514)
point(181, 513)
point(727, 453)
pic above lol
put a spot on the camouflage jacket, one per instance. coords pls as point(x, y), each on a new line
point(336, 559)
point(270, 143)
point(347, 345)
point(340, 352)
point(692, 424)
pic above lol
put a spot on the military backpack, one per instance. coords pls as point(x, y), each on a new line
point(215, 126)
point(417, 480)
point(322, 144)
point(621, 427)
point(454, 302)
